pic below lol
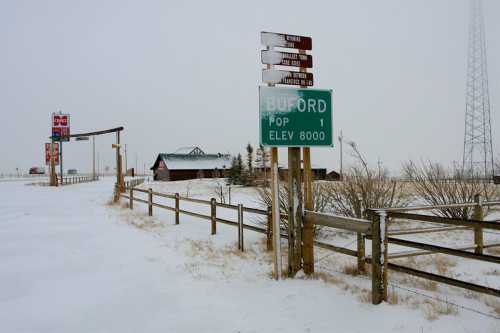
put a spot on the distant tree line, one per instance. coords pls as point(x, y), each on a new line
point(244, 172)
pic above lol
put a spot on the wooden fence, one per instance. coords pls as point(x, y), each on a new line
point(375, 229)
point(77, 180)
point(212, 218)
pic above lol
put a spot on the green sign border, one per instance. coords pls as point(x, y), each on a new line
point(297, 89)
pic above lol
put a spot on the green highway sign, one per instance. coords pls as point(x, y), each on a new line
point(291, 117)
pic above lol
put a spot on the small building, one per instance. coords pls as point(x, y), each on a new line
point(317, 173)
point(190, 163)
point(333, 175)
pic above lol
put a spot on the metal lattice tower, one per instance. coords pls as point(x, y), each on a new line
point(478, 146)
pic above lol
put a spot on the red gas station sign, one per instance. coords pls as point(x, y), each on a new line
point(47, 153)
point(60, 126)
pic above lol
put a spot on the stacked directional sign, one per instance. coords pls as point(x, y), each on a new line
point(292, 117)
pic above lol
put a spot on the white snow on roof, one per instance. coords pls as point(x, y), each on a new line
point(185, 150)
point(201, 163)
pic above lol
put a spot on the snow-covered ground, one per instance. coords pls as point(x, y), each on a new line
point(73, 263)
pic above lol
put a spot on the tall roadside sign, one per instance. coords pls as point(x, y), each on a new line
point(293, 118)
point(60, 132)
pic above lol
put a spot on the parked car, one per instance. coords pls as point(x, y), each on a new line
point(37, 171)
point(72, 172)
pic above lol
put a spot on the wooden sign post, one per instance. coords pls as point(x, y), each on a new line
point(275, 202)
point(293, 118)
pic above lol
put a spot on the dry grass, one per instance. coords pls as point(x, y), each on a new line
point(493, 251)
point(350, 269)
point(392, 296)
point(327, 278)
point(493, 303)
point(432, 310)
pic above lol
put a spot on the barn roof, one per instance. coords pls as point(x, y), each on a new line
point(193, 158)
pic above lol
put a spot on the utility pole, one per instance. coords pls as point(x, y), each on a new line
point(126, 165)
point(93, 157)
point(61, 159)
point(341, 140)
point(136, 160)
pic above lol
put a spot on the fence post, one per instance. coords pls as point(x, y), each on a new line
point(177, 208)
point(116, 194)
point(379, 257)
point(478, 215)
point(361, 253)
point(308, 246)
point(240, 228)
point(131, 198)
point(213, 215)
point(269, 233)
point(150, 202)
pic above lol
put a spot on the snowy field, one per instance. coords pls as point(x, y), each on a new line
point(71, 262)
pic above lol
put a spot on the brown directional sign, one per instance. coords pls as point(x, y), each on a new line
point(287, 41)
point(286, 59)
point(287, 77)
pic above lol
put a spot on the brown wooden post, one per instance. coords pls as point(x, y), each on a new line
point(213, 215)
point(117, 193)
point(53, 176)
point(240, 228)
point(478, 215)
point(361, 253)
point(379, 257)
point(294, 211)
point(131, 198)
point(177, 199)
point(276, 212)
point(150, 202)
point(308, 231)
point(269, 234)
point(376, 265)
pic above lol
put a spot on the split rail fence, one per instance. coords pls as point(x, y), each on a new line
point(375, 229)
point(77, 180)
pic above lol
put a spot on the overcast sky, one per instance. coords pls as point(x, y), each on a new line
point(178, 73)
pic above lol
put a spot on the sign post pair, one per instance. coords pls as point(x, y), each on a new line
point(60, 133)
point(295, 118)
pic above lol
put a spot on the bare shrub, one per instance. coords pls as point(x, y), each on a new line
point(362, 189)
point(221, 191)
point(434, 185)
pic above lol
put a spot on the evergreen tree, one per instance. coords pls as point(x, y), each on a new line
point(250, 159)
point(233, 172)
point(240, 169)
point(263, 161)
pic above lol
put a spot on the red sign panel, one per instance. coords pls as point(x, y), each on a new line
point(287, 41)
point(47, 153)
point(60, 120)
point(60, 126)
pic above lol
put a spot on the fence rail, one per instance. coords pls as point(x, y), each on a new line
point(212, 203)
point(77, 180)
point(375, 229)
